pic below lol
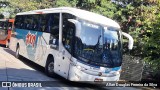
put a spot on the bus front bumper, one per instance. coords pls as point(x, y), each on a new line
point(76, 74)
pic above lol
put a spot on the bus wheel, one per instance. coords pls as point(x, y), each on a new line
point(17, 52)
point(49, 68)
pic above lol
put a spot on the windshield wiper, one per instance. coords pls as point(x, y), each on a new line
point(95, 49)
point(111, 59)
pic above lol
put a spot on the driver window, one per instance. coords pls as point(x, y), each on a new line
point(68, 32)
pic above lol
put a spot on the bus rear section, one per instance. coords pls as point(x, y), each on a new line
point(6, 31)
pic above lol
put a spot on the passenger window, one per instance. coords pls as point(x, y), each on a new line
point(29, 22)
point(44, 22)
point(23, 22)
point(1, 25)
point(53, 28)
point(19, 21)
point(5, 26)
point(54, 25)
point(35, 23)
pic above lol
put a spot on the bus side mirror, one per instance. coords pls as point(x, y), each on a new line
point(77, 24)
point(131, 41)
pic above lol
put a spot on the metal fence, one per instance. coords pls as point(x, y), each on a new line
point(132, 68)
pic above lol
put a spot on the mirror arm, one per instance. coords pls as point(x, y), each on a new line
point(131, 41)
point(77, 24)
point(73, 21)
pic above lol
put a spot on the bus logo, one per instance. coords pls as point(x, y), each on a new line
point(30, 39)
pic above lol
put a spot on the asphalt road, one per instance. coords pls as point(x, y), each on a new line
point(13, 69)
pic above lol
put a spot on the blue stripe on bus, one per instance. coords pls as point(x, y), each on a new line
point(116, 68)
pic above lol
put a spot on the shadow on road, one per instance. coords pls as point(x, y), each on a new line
point(60, 81)
point(9, 51)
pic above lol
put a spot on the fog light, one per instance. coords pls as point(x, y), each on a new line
point(79, 67)
point(100, 74)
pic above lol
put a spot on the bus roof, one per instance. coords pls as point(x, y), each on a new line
point(9, 20)
point(83, 14)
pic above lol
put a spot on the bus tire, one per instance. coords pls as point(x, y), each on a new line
point(49, 68)
point(17, 53)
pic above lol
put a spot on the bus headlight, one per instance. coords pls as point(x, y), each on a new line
point(73, 61)
point(79, 67)
point(116, 72)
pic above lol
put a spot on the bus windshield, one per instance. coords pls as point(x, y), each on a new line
point(5, 25)
point(98, 45)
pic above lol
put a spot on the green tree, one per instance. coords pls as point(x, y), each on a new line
point(65, 3)
point(152, 46)
point(3, 5)
point(16, 6)
point(141, 19)
point(1, 16)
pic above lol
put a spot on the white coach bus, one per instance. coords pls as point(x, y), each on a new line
point(76, 44)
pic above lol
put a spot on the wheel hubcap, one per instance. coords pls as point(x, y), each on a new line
point(51, 67)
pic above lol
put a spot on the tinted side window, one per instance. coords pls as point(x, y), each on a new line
point(54, 24)
point(36, 20)
point(1, 25)
point(5, 24)
point(27, 22)
point(53, 28)
point(19, 21)
point(68, 32)
point(43, 22)
point(39, 22)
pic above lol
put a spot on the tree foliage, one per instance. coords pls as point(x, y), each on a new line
point(15, 6)
point(1, 16)
point(141, 18)
point(152, 46)
point(3, 4)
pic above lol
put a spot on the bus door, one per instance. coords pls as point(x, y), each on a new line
point(3, 30)
point(66, 49)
